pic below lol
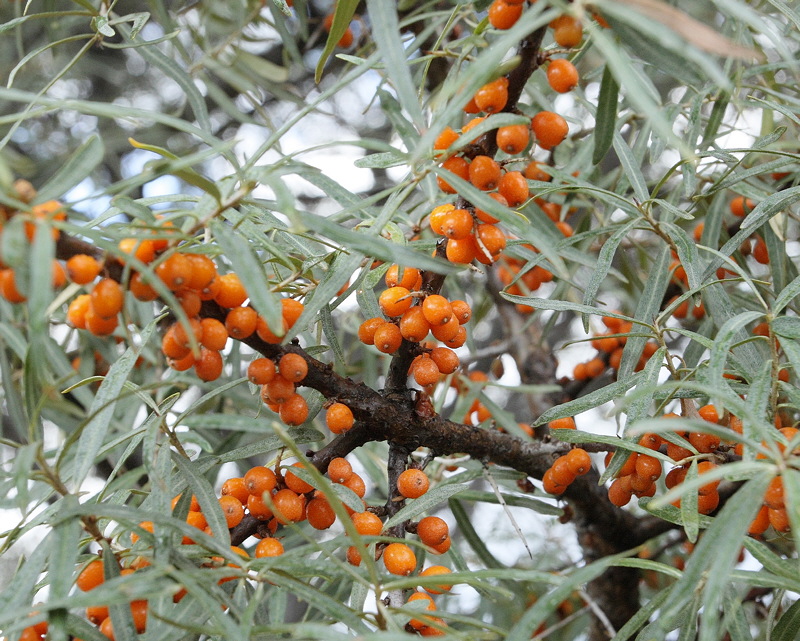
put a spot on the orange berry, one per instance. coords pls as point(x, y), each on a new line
point(461, 251)
point(704, 443)
point(437, 310)
point(445, 139)
point(648, 467)
point(320, 514)
point(484, 173)
point(620, 493)
point(241, 322)
point(760, 523)
point(91, 576)
point(446, 359)
point(175, 271)
point(418, 624)
point(566, 423)
point(456, 165)
point(741, 206)
point(437, 570)
point(291, 310)
point(367, 523)
point(407, 278)
point(760, 251)
point(260, 479)
point(107, 298)
point(414, 326)
point(278, 390)
point(294, 410)
point(562, 76)
point(774, 496)
point(425, 371)
point(388, 338)
point(107, 629)
point(567, 31)
point(513, 139)
point(268, 547)
point(551, 485)
point(437, 217)
point(82, 268)
point(339, 418)
point(492, 239)
point(140, 289)
point(366, 331)
point(339, 470)
point(215, 336)
point(493, 96)
point(261, 371)
point(504, 15)
point(448, 331)
point(486, 217)
point(258, 508)
point(232, 510)
point(432, 530)
point(457, 224)
point(779, 519)
point(353, 555)
point(707, 503)
point(97, 613)
point(236, 488)
point(549, 128)
point(443, 547)
point(142, 250)
point(231, 292)
point(579, 461)
point(395, 301)
point(514, 188)
point(412, 483)
point(288, 506)
point(76, 312)
point(399, 559)
point(209, 365)
point(293, 367)
point(266, 334)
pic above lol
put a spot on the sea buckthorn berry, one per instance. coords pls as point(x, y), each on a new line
point(760, 523)
point(513, 139)
point(491, 238)
point(202, 273)
point(562, 76)
point(99, 613)
point(567, 31)
point(774, 496)
point(414, 326)
point(486, 217)
point(425, 371)
point(707, 503)
point(648, 467)
point(291, 310)
point(232, 510)
point(108, 298)
point(320, 514)
point(432, 530)
point(419, 624)
point(236, 488)
point(293, 367)
point(779, 519)
point(241, 322)
point(141, 290)
point(76, 312)
point(294, 410)
point(704, 443)
point(82, 268)
point(288, 506)
point(579, 461)
point(339, 418)
point(215, 336)
point(401, 277)
point(448, 331)
point(91, 576)
point(395, 301)
point(231, 292)
point(566, 423)
point(437, 570)
point(760, 251)
point(175, 271)
point(709, 413)
point(339, 470)
point(503, 15)
point(367, 523)
point(295, 483)
point(561, 472)
point(461, 310)
point(493, 96)
point(445, 139)
point(550, 485)
point(412, 483)
point(261, 371)
point(650, 441)
point(353, 556)
point(260, 479)
point(514, 188)
point(457, 224)
point(266, 334)
point(388, 338)
point(107, 629)
point(443, 547)
point(456, 165)
point(437, 310)
point(366, 331)
point(268, 547)
point(484, 173)
point(446, 359)
point(461, 251)
point(208, 366)
point(258, 508)
point(279, 390)
point(534, 171)
point(399, 559)
point(565, 228)
point(8, 287)
point(741, 206)
point(549, 128)
point(190, 302)
point(437, 217)
point(619, 492)
point(142, 250)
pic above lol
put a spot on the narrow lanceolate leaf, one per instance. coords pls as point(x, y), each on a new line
point(95, 430)
point(426, 502)
point(205, 494)
point(77, 167)
point(590, 400)
point(606, 116)
point(341, 21)
point(788, 625)
point(630, 165)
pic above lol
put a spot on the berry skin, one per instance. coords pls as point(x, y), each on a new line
point(366, 331)
point(741, 206)
point(437, 310)
point(209, 366)
point(232, 510)
point(567, 31)
point(550, 485)
point(367, 524)
point(562, 76)
point(408, 278)
point(457, 224)
point(461, 251)
point(76, 312)
point(320, 514)
point(395, 301)
point(91, 576)
point(579, 461)
point(294, 410)
point(260, 479)
point(107, 298)
point(289, 506)
point(339, 418)
point(484, 173)
point(504, 15)
point(83, 269)
point(549, 128)
point(513, 139)
point(339, 470)
point(456, 165)
point(445, 139)
point(432, 530)
point(566, 423)
point(492, 239)
point(514, 188)
point(293, 367)
point(231, 292)
point(268, 547)
point(215, 335)
point(399, 559)
point(493, 96)
point(388, 338)
point(437, 570)
point(437, 217)
point(425, 371)
point(446, 359)
point(261, 371)
point(278, 390)
point(413, 325)
point(486, 217)
point(418, 624)
point(295, 483)
point(412, 483)
point(236, 488)
point(175, 271)
point(141, 290)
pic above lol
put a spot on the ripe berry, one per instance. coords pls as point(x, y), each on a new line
point(513, 139)
point(388, 338)
point(232, 510)
point(294, 410)
point(76, 312)
point(278, 390)
point(295, 483)
point(579, 461)
point(437, 570)
point(261, 371)
point(402, 277)
point(446, 359)
point(320, 514)
point(445, 139)
point(241, 322)
point(493, 96)
point(141, 290)
point(260, 479)
point(395, 301)
point(414, 326)
point(208, 366)
point(457, 224)
point(620, 493)
point(514, 188)
point(412, 483)
point(741, 206)
point(484, 173)
point(437, 310)
point(339, 418)
point(549, 128)
point(236, 488)
point(175, 271)
point(288, 506)
point(567, 31)
point(231, 292)
point(91, 576)
point(399, 559)
point(432, 530)
point(504, 15)
point(437, 217)
point(456, 165)
point(82, 268)
point(550, 485)
point(367, 523)
point(486, 217)
point(461, 251)
point(215, 336)
point(107, 298)
point(366, 331)
point(425, 371)
point(492, 239)
point(419, 624)
point(562, 76)
point(268, 547)
point(339, 470)
point(293, 367)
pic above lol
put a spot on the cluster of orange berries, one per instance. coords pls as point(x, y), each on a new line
point(278, 385)
point(414, 314)
point(565, 469)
